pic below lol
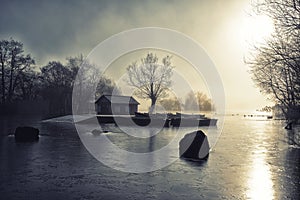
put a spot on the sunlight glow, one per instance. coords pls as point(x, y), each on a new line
point(260, 182)
point(254, 30)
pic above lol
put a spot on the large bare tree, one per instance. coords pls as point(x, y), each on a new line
point(150, 78)
point(275, 66)
point(14, 65)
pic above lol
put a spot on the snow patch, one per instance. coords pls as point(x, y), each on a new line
point(69, 118)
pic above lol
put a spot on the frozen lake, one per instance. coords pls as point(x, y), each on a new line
point(251, 160)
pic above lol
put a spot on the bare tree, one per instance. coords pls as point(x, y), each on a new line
point(84, 84)
point(204, 102)
point(89, 85)
point(151, 79)
point(57, 82)
point(275, 70)
point(13, 64)
point(28, 85)
point(275, 66)
point(284, 13)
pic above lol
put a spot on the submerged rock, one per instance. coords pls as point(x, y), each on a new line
point(26, 134)
point(194, 146)
point(97, 132)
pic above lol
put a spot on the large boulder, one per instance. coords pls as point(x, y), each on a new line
point(194, 146)
point(26, 134)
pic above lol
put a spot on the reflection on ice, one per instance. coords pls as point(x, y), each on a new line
point(260, 183)
point(260, 179)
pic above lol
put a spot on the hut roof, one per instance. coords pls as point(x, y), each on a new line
point(117, 99)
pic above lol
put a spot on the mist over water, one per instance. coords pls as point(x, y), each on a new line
point(251, 160)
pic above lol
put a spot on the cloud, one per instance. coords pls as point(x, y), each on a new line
point(48, 28)
point(56, 29)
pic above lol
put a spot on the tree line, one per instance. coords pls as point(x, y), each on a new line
point(194, 102)
point(77, 83)
point(21, 79)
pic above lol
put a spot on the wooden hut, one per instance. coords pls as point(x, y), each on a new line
point(116, 105)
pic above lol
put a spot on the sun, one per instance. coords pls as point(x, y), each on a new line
point(255, 30)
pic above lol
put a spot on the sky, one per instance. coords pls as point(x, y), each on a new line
point(54, 30)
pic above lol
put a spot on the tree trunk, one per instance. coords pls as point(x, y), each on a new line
point(10, 88)
point(3, 81)
point(153, 102)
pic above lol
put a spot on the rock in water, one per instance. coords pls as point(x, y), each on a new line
point(97, 132)
point(26, 134)
point(194, 146)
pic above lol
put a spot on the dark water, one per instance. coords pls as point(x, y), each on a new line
point(250, 161)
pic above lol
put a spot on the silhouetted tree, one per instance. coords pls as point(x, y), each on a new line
point(275, 66)
point(284, 13)
point(57, 87)
point(151, 79)
point(14, 66)
point(20, 81)
point(29, 85)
